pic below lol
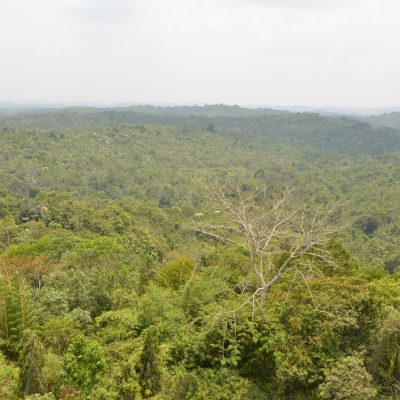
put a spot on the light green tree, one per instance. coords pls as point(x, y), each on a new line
point(348, 380)
point(84, 363)
point(8, 379)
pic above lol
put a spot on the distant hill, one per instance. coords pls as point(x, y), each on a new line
point(216, 110)
point(344, 111)
point(84, 117)
point(390, 120)
point(79, 117)
point(324, 133)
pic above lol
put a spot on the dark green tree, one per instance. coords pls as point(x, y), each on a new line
point(150, 373)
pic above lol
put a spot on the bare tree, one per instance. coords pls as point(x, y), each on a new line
point(278, 237)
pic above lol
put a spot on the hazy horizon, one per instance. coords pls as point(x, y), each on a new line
point(4, 105)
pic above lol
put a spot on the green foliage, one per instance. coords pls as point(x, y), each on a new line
point(9, 384)
point(8, 231)
point(31, 364)
point(51, 247)
point(58, 332)
point(17, 313)
point(149, 372)
point(54, 303)
point(47, 396)
point(318, 329)
point(368, 224)
point(127, 382)
point(84, 363)
point(176, 273)
point(204, 384)
point(385, 364)
point(97, 301)
point(53, 373)
point(100, 252)
point(348, 380)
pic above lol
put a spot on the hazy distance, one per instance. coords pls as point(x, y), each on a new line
point(313, 53)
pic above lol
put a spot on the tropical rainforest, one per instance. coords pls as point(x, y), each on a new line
point(214, 252)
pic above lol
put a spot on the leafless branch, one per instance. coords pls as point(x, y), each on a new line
point(277, 236)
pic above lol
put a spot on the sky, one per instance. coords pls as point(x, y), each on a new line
point(247, 52)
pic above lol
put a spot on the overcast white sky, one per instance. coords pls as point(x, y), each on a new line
point(258, 52)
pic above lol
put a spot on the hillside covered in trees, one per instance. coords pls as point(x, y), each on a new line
point(391, 120)
point(198, 253)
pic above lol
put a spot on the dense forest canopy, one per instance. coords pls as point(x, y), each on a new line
point(138, 244)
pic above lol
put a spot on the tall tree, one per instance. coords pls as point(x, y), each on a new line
point(150, 374)
point(17, 313)
point(31, 363)
point(278, 237)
